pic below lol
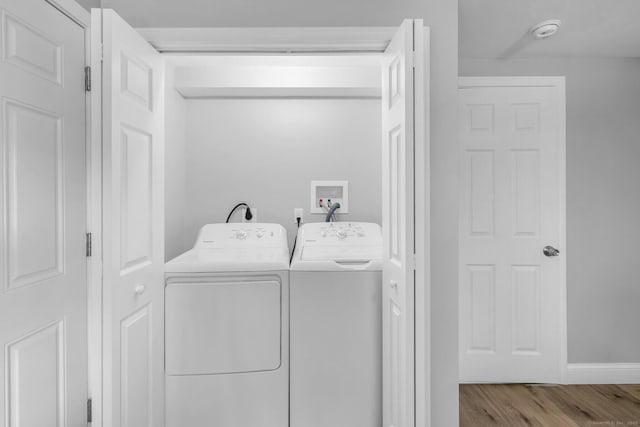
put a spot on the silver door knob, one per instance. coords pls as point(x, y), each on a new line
point(393, 284)
point(550, 251)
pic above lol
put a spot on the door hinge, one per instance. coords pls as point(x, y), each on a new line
point(89, 411)
point(88, 245)
point(413, 261)
point(87, 79)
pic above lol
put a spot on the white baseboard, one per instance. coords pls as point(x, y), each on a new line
point(603, 373)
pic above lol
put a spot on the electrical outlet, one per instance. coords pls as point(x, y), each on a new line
point(298, 213)
point(254, 212)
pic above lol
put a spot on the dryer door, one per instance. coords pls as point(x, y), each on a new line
point(221, 326)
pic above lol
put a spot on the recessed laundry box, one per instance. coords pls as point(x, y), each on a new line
point(226, 333)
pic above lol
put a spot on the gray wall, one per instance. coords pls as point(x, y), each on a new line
point(88, 4)
point(266, 151)
point(271, 13)
point(603, 199)
point(175, 176)
point(442, 18)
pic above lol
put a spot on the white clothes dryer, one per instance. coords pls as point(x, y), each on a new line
point(226, 328)
point(336, 326)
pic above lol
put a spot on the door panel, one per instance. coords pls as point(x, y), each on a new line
point(480, 164)
point(481, 287)
point(511, 315)
point(133, 226)
point(137, 369)
point(29, 48)
point(525, 289)
point(398, 228)
point(34, 189)
point(43, 265)
point(36, 373)
point(135, 199)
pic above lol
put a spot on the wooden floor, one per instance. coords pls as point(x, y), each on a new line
point(541, 405)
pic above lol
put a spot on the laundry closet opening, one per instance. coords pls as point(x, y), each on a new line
point(185, 138)
point(259, 129)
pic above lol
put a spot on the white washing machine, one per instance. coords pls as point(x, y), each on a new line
point(336, 326)
point(226, 329)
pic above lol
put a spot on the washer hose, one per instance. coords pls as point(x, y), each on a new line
point(331, 211)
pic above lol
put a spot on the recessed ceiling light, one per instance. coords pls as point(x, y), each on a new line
point(545, 29)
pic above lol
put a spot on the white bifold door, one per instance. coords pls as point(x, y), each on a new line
point(43, 217)
point(400, 125)
point(133, 224)
point(512, 252)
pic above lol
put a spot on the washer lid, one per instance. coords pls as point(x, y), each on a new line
point(338, 246)
point(235, 247)
point(341, 253)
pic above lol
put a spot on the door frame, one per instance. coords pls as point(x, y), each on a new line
point(269, 40)
point(341, 40)
point(351, 40)
point(74, 11)
point(82, 17)
point(559, 84)
point(422, 232)
point(344, 40)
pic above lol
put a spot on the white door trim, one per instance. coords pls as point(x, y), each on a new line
point(337, 40)
point(513, 81)
point(73, 10)
point(82, 17)
point(422, 212)
point(286, 40)
point(270, 40)
point(95, 164)
point(557, 82)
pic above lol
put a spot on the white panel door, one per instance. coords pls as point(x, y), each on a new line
point(398, 227)
point(133, 223)
point(43, 204)
point(511, 207)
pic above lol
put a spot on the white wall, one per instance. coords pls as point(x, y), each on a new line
point(175, 184)
point(603, 199)
point(266, 151)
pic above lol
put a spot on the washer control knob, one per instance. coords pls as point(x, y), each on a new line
point(360, 233)
point(259, 234)
point(323, 233)
point(241, 234)
point(341, 233)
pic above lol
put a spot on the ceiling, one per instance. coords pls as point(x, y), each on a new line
point(594, 28)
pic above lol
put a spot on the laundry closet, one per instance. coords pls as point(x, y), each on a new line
point(259, 129)
point(189, 130)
